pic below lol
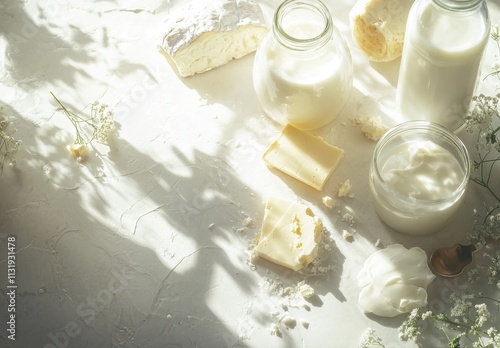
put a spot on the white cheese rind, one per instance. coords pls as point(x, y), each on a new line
point(378, 27)
point(204, 35)
point(290, 234)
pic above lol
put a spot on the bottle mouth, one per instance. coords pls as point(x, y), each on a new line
point(302, 24)
point(459, 5)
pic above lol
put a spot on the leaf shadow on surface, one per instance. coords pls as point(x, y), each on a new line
point(74, 259)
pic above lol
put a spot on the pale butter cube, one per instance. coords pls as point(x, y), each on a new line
point(303, 156)
point(290, 234)
point(203, 35)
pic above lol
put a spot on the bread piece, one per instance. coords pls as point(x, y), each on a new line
point(378, 27)
point(201, 36)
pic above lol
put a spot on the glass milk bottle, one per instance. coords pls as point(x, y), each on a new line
point(302, 70)
point(440, 66)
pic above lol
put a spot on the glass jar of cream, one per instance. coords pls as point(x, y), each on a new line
point(302, 71)
point(418, 177)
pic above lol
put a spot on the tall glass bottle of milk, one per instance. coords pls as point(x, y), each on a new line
point(442, 54)
point(302, 71)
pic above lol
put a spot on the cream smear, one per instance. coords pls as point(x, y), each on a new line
point(394, 281)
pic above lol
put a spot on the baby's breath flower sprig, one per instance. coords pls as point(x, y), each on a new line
point(370, 339)
point(495, 36)
point(465, 322)
point(8, 145)
point(483, 113)
point(96, 127)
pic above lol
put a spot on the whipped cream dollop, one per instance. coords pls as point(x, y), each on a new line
point(394, 281)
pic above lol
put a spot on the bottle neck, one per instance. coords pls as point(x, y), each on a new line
point(302, 25)
point(459, 5)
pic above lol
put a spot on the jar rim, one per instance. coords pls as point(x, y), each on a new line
point(302, 44)
point(428, 127)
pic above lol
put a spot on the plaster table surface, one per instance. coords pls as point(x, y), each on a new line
point(146, 244)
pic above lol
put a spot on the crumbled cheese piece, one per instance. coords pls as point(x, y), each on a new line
point(289, 321)
point(347, 236)
point(378, 27)
point(275, 330)
point(290, 234)
point(303, 156)
point(306, 291)
point(328, 201)
point(203, 35)
point(248, 222)
point(345, 188)
point(373, 128)
point(347, 217)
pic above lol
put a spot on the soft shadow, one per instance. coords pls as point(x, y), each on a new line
point(168, 302)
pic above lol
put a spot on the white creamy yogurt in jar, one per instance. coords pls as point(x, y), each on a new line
point(418, 177)
point(422, 170)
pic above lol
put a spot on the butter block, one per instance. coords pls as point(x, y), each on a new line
point(303, 156)
point(290, 234)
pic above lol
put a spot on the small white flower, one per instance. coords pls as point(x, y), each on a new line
point(483, 314)
point(78, 151)
point(426, 315)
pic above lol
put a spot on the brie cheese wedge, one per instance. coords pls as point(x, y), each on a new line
point(203, 35)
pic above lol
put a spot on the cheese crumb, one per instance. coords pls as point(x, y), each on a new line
point(248, 222)
point(347, 217)
point(289, 321)
point(345, 188)
point(328, 201)
point(306, 291)
point(347, 236)
point(373, 128)
point(275, 330)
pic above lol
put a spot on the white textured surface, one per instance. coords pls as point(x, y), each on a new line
point(146, 245)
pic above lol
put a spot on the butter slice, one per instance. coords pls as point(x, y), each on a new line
point(303, 156)
point(290, 234)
